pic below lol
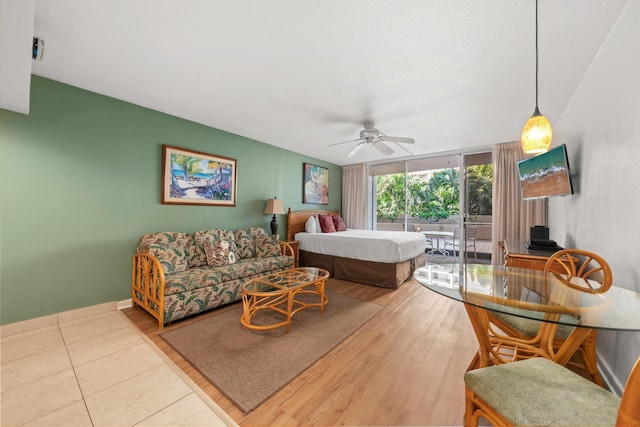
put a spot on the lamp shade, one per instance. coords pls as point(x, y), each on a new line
point(536, 134)
point(274, 206)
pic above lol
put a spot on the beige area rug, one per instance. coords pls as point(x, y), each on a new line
point(250, 366)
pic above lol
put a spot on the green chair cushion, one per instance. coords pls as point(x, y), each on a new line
point(529, 327)
point(540, 392)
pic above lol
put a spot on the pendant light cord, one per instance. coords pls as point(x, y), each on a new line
point(536, 54)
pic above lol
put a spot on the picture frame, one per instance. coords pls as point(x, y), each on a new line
point(315, 184)
point(195, 178)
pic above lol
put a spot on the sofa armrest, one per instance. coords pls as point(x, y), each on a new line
point(287, 249)
point(147, 285)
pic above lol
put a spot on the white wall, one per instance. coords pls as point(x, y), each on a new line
point(16, 41)
point(601, 127)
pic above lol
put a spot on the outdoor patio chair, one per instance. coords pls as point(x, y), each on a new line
point(454, 244)
point(428, 245)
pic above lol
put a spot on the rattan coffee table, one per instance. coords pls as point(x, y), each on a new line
point(278, 292)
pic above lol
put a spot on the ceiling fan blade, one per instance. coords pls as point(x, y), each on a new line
point(397, 139)
point(356, 149)
point(345, 142)
point(405, 149)
point(384, 149)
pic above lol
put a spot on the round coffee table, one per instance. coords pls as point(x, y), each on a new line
point(278, 292)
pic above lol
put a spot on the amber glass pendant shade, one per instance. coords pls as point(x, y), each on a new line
point(536, 134)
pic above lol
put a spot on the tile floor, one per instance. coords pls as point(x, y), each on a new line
point(97, 371)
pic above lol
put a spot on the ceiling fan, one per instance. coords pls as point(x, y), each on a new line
point(371, 135)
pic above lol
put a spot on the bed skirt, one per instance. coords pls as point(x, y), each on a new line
point(386, 275)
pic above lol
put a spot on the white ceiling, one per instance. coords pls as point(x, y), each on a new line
point(303, 74)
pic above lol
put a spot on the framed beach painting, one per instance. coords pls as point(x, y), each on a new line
point(316, 184)
point(195, 178)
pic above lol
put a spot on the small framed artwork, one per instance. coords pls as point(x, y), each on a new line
point(195, 178)
point(316, 184)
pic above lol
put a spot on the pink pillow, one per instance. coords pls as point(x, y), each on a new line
point(326, 224)
point(338, 222)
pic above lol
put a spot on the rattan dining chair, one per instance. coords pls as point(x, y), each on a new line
point(540, 392)
point(564, 264)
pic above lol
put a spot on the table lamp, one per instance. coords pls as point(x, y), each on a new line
point(274, 206)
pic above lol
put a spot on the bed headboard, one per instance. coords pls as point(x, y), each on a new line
point(296, 220)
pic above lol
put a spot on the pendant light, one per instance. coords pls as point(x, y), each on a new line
point(536, 134)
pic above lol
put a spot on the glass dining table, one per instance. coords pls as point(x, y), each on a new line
point(488, 291)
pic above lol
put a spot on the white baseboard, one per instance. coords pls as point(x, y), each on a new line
point(62, 317)
point(121, 305)
point(611, 381)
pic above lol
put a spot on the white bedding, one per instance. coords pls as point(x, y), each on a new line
point(367, 245)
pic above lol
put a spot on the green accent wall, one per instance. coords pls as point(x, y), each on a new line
point(80, 181)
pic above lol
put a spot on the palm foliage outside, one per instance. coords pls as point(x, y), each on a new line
point(435, 198)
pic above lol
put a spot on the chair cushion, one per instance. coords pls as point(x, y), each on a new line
point(540, 392)
point(529, 327)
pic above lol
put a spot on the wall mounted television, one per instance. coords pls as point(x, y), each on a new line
point(546, 174)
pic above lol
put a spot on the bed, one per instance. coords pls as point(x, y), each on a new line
point(379, 258)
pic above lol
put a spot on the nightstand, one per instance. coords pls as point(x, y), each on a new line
point(295, 245)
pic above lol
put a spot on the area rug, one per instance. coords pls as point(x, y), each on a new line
point(250, 366)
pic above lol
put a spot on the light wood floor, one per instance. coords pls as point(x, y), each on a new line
point(403, 367)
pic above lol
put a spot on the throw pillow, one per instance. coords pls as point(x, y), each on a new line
point(219, 252)
point(326, 223)
point(310, 225)
point(200, 257)
point(267, 246)
point(317, 220)
point(338, 223)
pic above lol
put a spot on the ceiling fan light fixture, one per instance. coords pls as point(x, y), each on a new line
point(372, 136)
point(537, 133)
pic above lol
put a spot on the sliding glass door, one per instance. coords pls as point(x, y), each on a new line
point(447, 198)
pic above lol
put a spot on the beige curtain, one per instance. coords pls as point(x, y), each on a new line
point(512, 216)
point(354, 196)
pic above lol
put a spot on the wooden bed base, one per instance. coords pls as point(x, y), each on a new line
point(386, 275)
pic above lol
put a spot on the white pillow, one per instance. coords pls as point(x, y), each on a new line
point(310, 225)
point(318, 228)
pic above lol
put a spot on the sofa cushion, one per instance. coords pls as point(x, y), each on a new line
point(171, 248)
point(250, 267)
point(267, 246)
point(245, 241)
point(178, 306)
point(194, 278)
point(219, 252)
point(199, 258)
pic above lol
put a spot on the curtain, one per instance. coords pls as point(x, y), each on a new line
point(512, 216)
point(354, 196)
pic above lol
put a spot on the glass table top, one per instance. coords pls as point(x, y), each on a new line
point(534, 295)
point(285, 280)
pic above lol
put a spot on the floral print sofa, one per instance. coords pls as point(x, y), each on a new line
point(176, 275)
